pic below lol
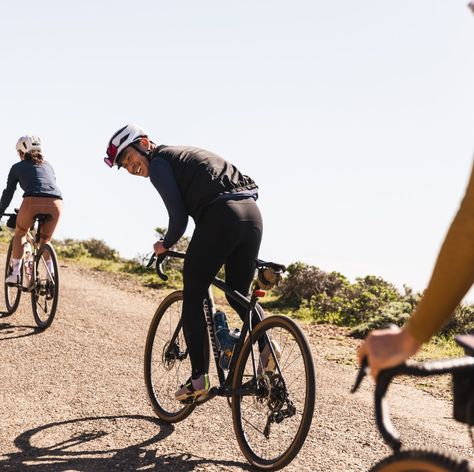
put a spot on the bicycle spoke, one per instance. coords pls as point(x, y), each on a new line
point(167, 362)
point(253, 426)
point(272, 424)
point(44, 294)
point(12, 294)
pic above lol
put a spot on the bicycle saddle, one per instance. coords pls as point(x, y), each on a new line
point(466, 341)
point(42, 217)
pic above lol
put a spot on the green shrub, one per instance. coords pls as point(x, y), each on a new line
point(461, 322)
point(368, 303)
point(71, 249)
point(100, 250)
point(303, 282)
point(77, 249)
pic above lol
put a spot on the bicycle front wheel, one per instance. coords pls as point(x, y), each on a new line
point(167, 363)
point(45, 291)
point(272, 420)
point(12, 293)
point(421, 461)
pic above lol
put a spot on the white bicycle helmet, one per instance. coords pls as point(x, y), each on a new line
point(120, 140)
point(28, 143)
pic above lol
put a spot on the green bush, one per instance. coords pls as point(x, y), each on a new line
point(303, 282)
point(461, 322)
point(368, 303)
point(71, 249)
point(100, 250)
point(77, 249)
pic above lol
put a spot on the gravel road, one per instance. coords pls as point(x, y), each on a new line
point(73, 397)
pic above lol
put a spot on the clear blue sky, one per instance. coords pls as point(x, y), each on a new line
point(355, 118)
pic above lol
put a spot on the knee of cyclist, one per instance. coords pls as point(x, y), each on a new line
point(45, 239)
point(20, 233)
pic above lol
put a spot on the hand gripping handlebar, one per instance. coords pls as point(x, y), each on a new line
point(159, 261)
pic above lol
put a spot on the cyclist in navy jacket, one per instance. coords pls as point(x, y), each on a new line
point(222, 201)
point(41, 196)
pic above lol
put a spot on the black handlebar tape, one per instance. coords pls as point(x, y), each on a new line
point(360, 375)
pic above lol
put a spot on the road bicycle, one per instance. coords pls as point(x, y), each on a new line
point(35, 276)
point(420, 460)
point(271, 410)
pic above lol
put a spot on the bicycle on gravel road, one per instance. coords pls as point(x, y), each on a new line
point(35, 276)
point(272, 410)
point(420, 460)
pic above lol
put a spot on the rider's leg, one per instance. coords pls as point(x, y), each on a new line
point(200, 267)
point(240, 264)
point(17, 254)
point(24, 220)
point(52, 207)
point(217, 234)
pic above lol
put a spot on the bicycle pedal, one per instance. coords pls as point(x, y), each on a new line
point(208, 396)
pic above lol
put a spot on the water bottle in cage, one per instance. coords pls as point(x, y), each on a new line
point(226, 339)
point(28, 260)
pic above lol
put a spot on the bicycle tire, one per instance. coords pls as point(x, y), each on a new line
point(45, 294)
point(163, 376)
point(421, 461)
point(262, 451)
point(12, 294)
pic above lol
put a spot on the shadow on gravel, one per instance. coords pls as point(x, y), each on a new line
point(99, 444)
point(9, 331)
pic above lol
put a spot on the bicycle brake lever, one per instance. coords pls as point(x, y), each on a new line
point(159, 269)
point(364, 367)
point(150, 262)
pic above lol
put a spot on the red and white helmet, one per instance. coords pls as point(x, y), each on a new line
point(28, 143)
point(120, 140)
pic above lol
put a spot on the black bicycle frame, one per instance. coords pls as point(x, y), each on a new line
point(251, 306)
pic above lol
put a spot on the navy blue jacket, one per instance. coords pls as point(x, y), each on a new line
point(36, 180)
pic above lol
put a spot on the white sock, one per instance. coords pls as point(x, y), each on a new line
point(16, 266)
point(49, 265)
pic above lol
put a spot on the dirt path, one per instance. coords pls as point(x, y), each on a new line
point(73, 397)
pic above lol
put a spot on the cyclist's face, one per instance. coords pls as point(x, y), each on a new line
point(135, 163)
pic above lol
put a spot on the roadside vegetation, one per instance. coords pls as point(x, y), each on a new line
point(306, 292)
point(368, 303)
point(97, 255)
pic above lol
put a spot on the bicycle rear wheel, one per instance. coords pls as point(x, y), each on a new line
point(45, 293)
point(421, 461)
point(12, 294)
point(271, 425)
point(167, 364)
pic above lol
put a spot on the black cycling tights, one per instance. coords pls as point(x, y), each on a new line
point(228, 233)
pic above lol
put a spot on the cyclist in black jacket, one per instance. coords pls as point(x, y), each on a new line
point(222, 201)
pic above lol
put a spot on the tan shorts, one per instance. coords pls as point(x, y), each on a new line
point(32, 206)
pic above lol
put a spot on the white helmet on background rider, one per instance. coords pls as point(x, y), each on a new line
point(123, 138)
point(28, 143)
